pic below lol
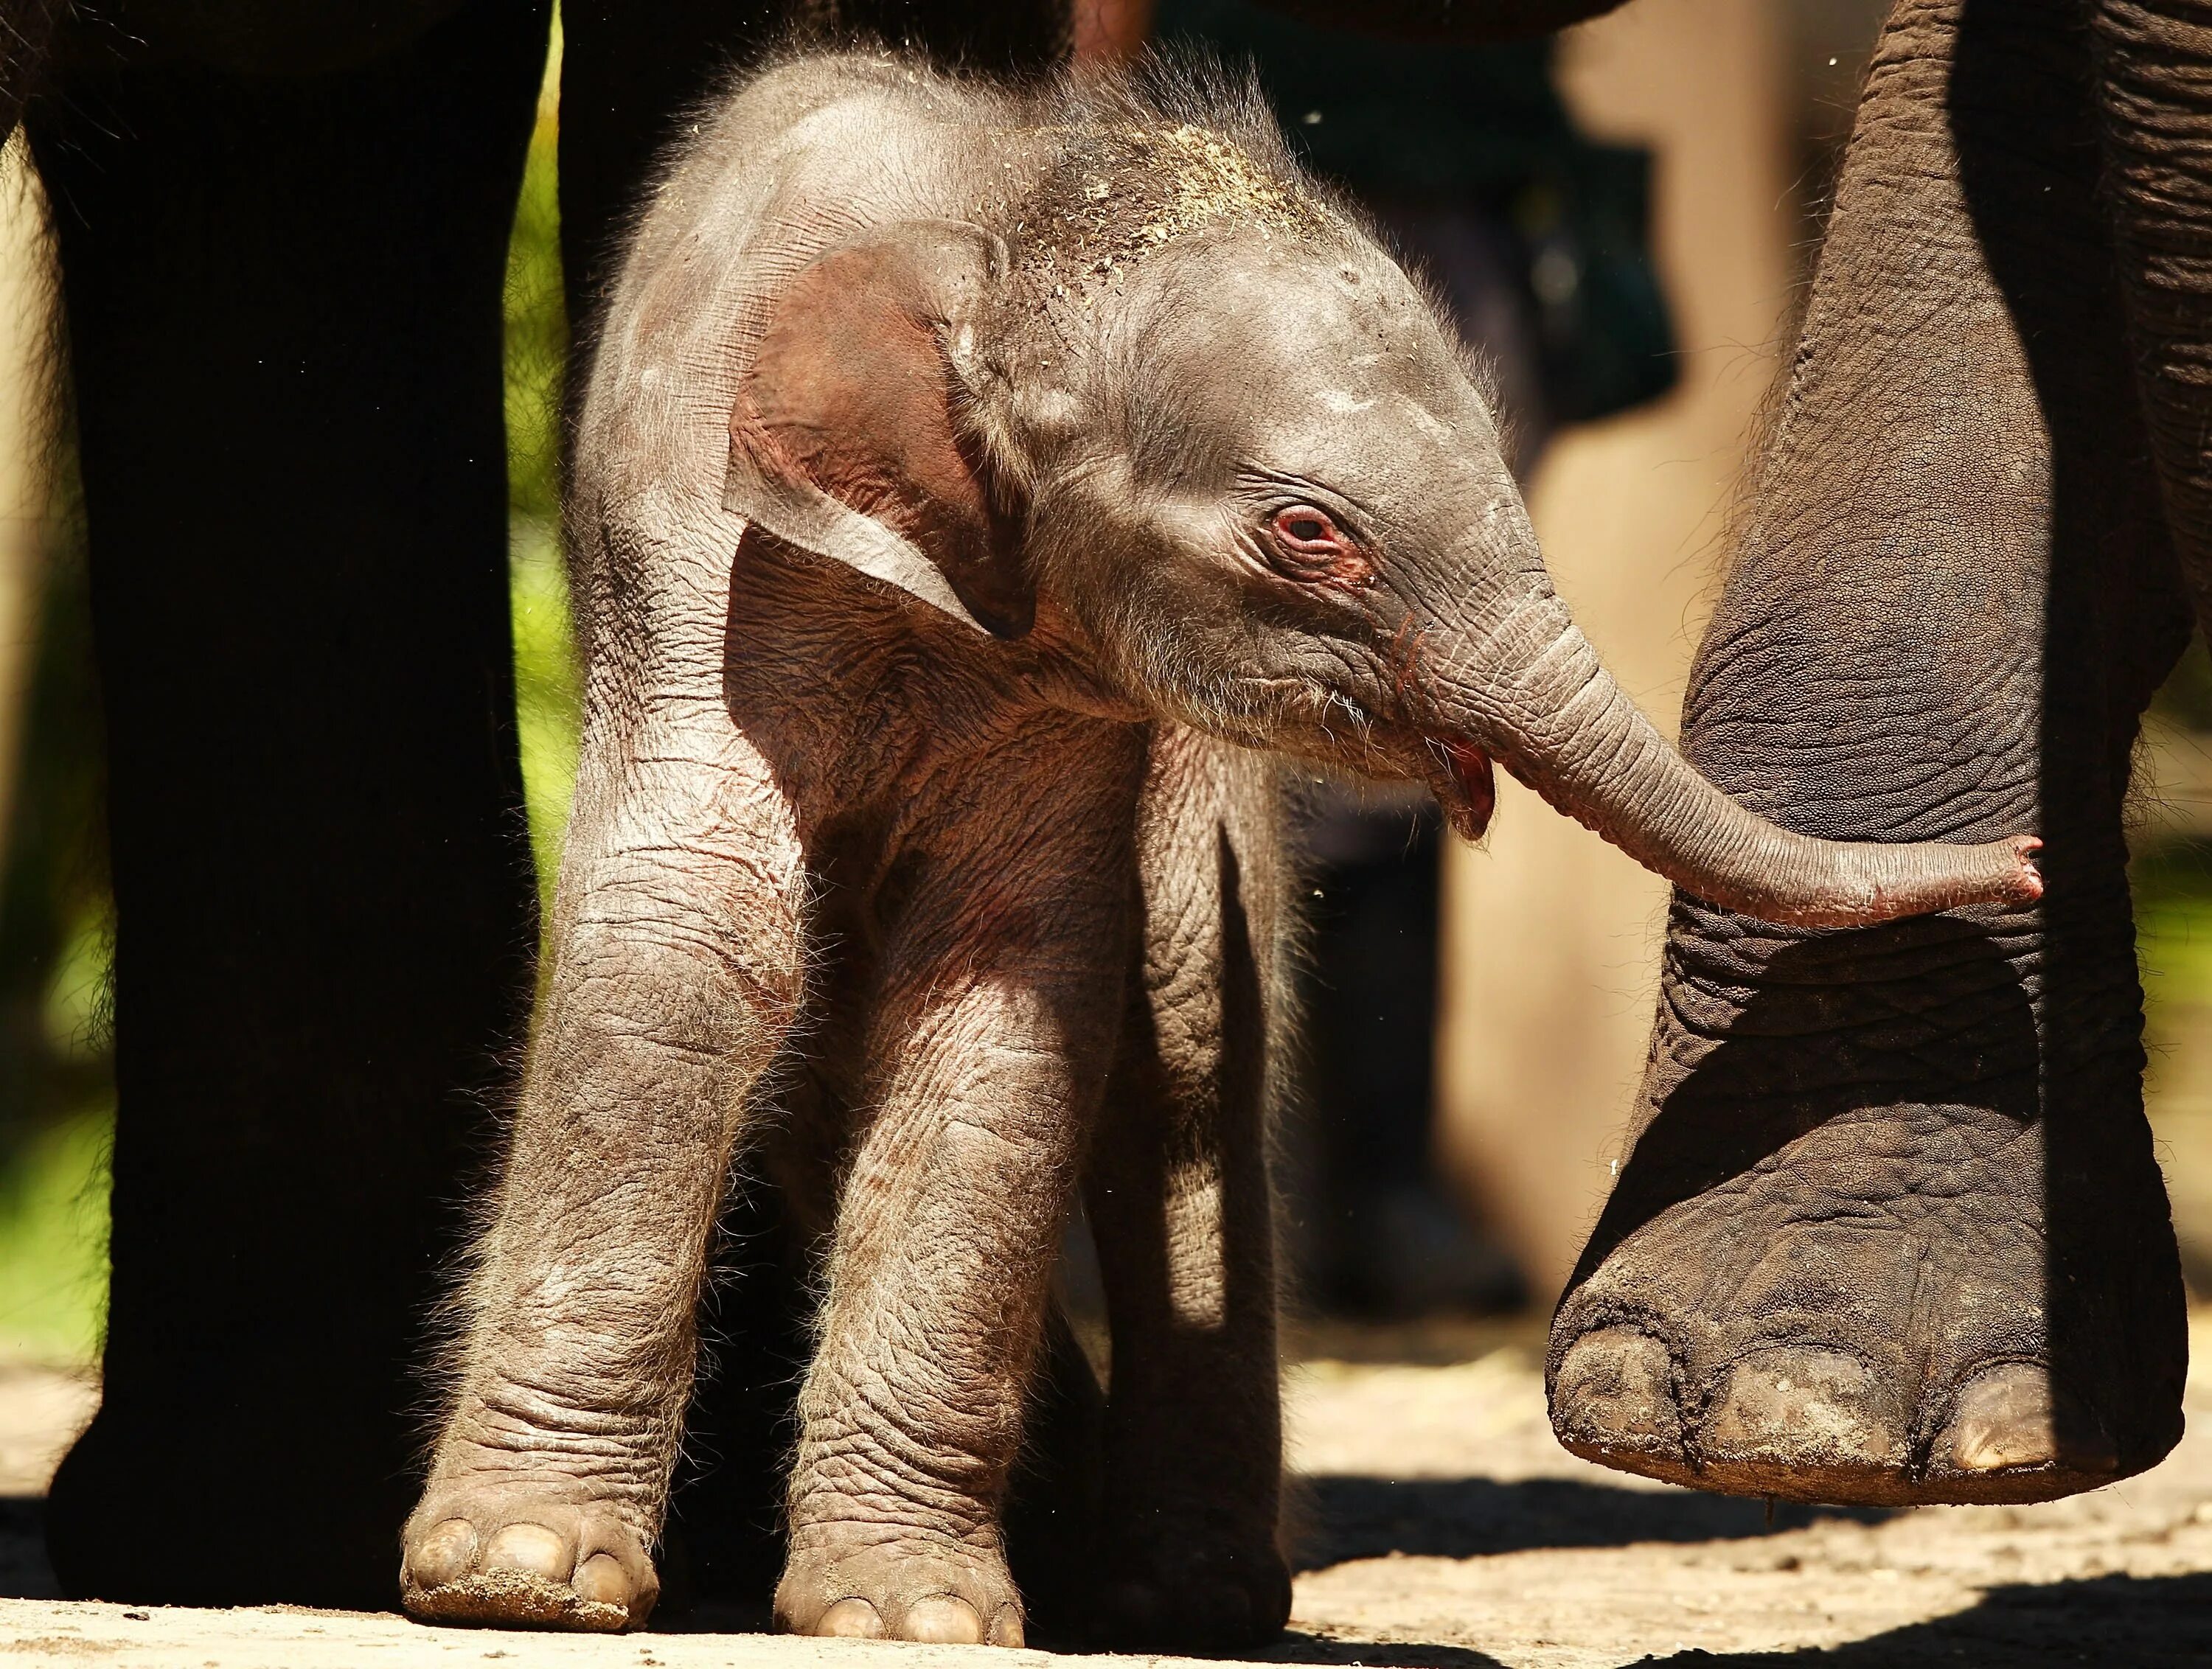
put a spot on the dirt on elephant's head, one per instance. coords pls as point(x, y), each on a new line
point(1134, 170)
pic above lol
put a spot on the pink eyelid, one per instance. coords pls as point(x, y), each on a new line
point(1327, 538)
point(1346, 564)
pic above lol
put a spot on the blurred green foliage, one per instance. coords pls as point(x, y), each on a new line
point(548, 688)
point(56, 1080)
point(2186, 698)
point(53, 1241)
point(2171, 873)
point(2171, 878)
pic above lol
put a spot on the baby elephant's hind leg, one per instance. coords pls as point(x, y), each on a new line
point(1180, 1203)
point(986, 1052)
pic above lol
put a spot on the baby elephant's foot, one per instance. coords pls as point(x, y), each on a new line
point(1183, 1595)
point(512, 1558)
point(913, 1586)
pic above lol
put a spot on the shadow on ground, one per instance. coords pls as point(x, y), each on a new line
point(1297, 1647)
point(2141, 1623)
point(1463, 1518)
point(2146, 1622)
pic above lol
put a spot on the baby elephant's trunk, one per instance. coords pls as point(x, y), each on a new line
point(1555, 717)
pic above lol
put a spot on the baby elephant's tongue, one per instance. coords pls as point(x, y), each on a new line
point(1467, 791)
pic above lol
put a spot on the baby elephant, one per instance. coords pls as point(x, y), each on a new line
point(975, 489)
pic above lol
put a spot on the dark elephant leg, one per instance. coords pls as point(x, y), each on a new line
point(2155, 88)
point(283, 297)
point(1180, 1203)
point(1892, 1231)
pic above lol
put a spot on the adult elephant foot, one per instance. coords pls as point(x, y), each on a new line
point(1892, 1231)
point(1863, 1314)
point(512, 1553)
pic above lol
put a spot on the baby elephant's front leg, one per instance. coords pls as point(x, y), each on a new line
point(986, 1064)
point(676, 978)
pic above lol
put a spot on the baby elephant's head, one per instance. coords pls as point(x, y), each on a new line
point(1237, 460)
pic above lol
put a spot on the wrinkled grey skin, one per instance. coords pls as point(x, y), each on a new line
point(1892, 1231)
point(972, 490)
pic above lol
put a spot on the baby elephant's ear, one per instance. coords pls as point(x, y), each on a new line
point(846, 440)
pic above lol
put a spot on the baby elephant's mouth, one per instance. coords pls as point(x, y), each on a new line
point(1463, 784)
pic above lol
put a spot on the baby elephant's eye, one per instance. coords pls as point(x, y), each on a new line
point(1308, 545)
point(1305, 526)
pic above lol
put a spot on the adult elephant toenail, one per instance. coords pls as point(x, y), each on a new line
point(530, 1548)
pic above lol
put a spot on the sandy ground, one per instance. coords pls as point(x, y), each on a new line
point(1441, 1528)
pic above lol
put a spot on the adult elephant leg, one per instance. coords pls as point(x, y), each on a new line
point(1891, 1230)
point(2155, 89)
point(1183, 1212)
point(283, 296)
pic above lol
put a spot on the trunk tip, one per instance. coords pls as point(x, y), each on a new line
point(2026, 880)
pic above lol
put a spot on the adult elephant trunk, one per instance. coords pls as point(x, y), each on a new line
point(1555, 717)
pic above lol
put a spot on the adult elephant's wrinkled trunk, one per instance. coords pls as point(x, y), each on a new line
point(1556, 718)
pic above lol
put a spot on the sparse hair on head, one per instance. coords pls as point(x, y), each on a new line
point(1172, 146)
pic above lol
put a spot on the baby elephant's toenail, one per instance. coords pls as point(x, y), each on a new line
point(1006, 1626)
point(852, 1618)
point(2008, 1418)
point(944, 1620)
point(443, 1555)
point(601, 1580)
point(530, 1548)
